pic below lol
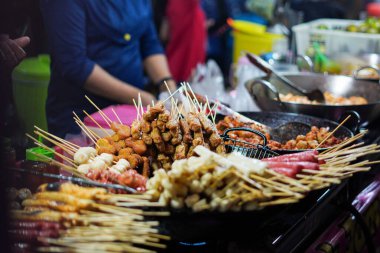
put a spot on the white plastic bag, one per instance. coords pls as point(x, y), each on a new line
point(245, 71)
point(208, 81)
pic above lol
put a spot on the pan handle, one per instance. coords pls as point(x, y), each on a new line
point(353, 123)
point(373, 67)
point(267, 85)
point(225, 134)
point(307, 60)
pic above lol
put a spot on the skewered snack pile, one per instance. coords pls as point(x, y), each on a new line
point(69, 218)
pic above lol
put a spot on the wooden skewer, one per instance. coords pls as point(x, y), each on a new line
point(328, 136)
point(137, 110)
point(79, 121)
point(74, 146)
point(117, 116)
point(88, 134)
point(93, 120)
point(58, 144)
point(102, 114)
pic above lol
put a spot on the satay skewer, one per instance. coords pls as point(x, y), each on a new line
point(93, 120)
point(68, 150)
point(102, 114)
point(67, 143)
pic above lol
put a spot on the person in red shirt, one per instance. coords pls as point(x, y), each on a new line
point(187, 37)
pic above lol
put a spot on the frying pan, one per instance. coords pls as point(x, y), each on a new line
point(266, 95)
point(273, 119)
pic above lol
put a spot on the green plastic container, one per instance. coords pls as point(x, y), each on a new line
point(30, 84)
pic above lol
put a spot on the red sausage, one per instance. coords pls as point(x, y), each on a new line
point(308, 156)
point(286, 172)
point(289, 165)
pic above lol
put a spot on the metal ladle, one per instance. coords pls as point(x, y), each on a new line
point(314, 95)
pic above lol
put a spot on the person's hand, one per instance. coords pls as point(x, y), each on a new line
point(11, 52)
point(147, 98)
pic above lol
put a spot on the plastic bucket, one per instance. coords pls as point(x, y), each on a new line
point(30, 85)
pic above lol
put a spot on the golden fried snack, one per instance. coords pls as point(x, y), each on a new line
point(124, 132)
point(165, 161)
point(193, 121)
point(160, 147)
point(138, 146)
point(156, 136)
point(145, 126)
point(191, 152)
point(221, 149)
point(176, 139)
point(103, 146)
point(180, 151)
point(169, 149)
point(215, 140)
point(135, 129)
point(147, 138)
point(166, 136)
point(153, 112)
point(134, 160)
point(79, 191)
point(119, 145)
point(161, 125)
point(164, 117)
point(198, 138)
point(187, 138)
point(146, 167)
point(206, 124)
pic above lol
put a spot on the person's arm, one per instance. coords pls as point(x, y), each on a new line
point(115, 89)
point(65, 22)
point(157, 68)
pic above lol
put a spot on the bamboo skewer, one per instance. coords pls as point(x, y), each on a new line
point(58, 144)
point(117, 116)
point(328, 136)
point(102, 114)
point(63, 141)
point(93, 120)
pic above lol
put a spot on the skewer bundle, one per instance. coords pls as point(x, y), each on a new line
point(71, 218)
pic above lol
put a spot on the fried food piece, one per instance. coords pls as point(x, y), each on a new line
point(70, 188)
point(119, 145)
point(138, 146)
point(156, 136)
point(126, 151)
point(176, 139)
point(169, 149)
point(145, 126)
point(134, 160)
point(115, 126)
point(135, 129)
point(187, 138)
point(124, 132)
point(193, 121)
point(115, 137)
point(215, 140)
point(164, 117)
point(161, 125)
point(172, 124)
point(165, 161)
point(147, 138)
point(153, 112)
point(166, 136)
point(221, 149)
point(160, 147)
point(191, 152)
point(198, 138)
point(180, 151)
point(206, 124)
point(146, 167)
point(103, 146)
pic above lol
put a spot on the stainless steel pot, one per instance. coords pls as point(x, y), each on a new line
point(266, 95)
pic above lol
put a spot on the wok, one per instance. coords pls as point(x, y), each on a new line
point(273, 119)
point(266, 95)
